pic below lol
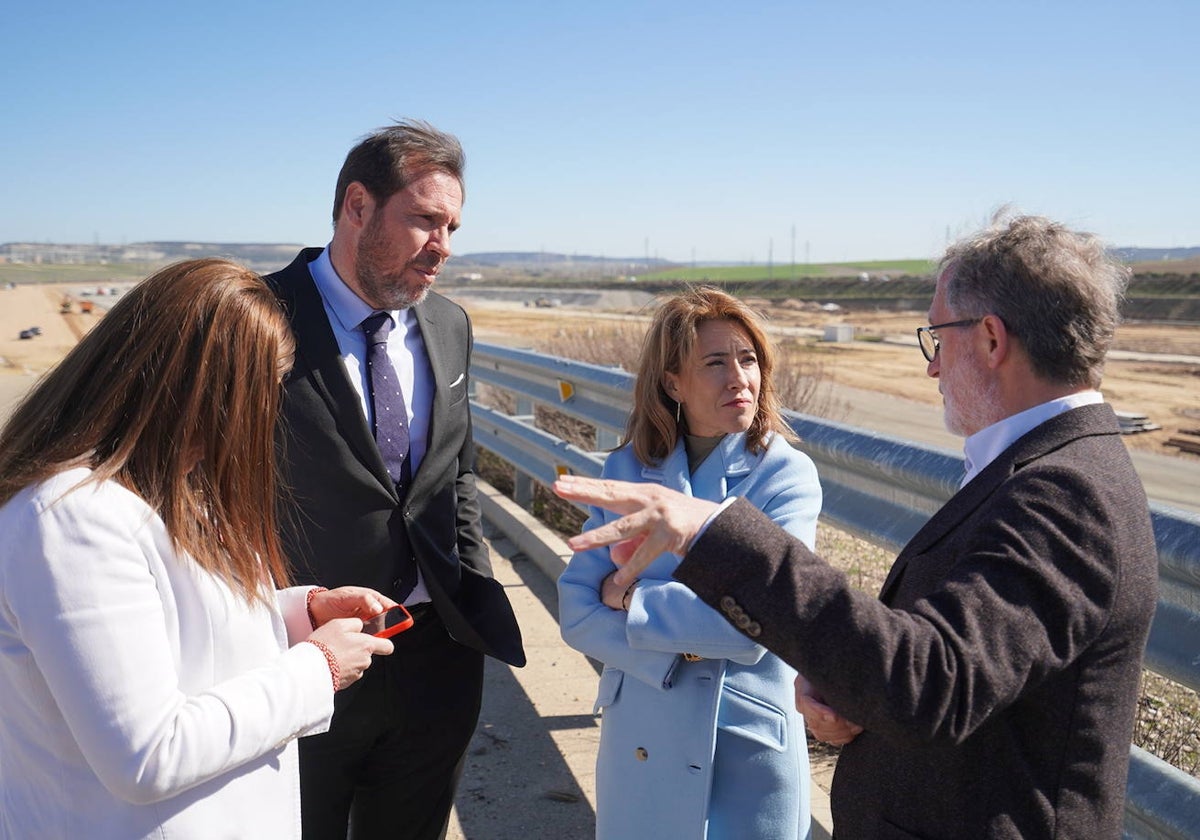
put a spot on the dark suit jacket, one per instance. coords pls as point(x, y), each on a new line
point(346, 523)
point(997, 674)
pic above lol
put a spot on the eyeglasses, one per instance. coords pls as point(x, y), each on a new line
point(927, 337)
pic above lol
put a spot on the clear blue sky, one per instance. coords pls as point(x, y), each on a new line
point(685, 130)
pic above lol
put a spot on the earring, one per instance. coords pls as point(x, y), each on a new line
point(678, 408)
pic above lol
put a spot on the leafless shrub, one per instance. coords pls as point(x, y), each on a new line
point(1167, 722)
point(799, 376)
point(495, 471)
point(497, 398)
point(617, 345)
point(565, 427)
point(803, 386)
point(562, 517)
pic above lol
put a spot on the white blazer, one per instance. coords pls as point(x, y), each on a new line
point(141, 697)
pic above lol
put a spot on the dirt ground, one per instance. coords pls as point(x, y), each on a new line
point(36, 306)
point(887, 359)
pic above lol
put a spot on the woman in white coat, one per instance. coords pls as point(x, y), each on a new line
point(153, 681)
point(700, 737)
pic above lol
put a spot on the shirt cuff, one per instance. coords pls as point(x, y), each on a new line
point(720, 509)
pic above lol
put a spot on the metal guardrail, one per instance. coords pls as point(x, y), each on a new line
point(878, 487)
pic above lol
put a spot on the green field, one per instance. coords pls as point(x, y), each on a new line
point(745, 273)
point(835, 280)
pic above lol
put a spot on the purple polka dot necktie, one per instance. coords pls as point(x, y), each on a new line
point(391, 416)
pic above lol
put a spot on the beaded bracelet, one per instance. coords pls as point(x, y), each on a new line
point(335, 671)
point(308, 599)
point(625, 599)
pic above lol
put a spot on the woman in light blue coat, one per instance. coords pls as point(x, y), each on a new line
point(699, 736)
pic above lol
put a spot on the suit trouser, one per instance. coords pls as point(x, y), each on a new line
point(389, 765)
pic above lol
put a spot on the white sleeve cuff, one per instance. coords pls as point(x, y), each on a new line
point(720, 509)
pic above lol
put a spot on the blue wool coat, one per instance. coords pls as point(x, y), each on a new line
point(709, 749)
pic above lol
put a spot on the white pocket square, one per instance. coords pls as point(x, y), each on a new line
point(461, 377)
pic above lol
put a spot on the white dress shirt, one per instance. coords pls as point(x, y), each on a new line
point(983, 447)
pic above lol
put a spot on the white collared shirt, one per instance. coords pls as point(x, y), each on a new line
point(983, 447)
point(346, 311)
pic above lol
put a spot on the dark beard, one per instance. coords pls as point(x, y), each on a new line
point(385, 290)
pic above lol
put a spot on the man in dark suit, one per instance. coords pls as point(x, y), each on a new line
point(990, 690)
point(382, 489)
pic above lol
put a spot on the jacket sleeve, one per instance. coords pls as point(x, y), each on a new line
point(591, 627)
point(1030, 583)
point(668, 616)
point(293, 605)
point(90, 592)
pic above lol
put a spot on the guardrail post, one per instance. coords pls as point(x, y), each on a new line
point(522, 482)
point(522, 489)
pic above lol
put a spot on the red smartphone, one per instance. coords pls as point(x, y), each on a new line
point(388, 623)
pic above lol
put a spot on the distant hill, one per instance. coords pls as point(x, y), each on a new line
point(1138, 255)
point(267, 256)
point(258, 256)
point(542, 263)
point(270, 256)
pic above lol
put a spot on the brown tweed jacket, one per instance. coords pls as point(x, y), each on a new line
point(997, 673)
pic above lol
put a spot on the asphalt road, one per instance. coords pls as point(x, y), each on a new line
point(1173, 481)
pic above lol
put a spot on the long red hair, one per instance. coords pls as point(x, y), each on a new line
point(175, 394)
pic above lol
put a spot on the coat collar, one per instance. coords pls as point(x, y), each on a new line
point(729, 461)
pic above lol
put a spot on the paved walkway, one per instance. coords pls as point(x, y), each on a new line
point(530, 771)
point(530, 768)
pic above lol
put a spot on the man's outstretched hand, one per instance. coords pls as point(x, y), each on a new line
point(653, 520)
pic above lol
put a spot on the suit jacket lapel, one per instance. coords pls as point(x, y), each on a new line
point(435, 348)
point(318, 349)
point(961, 505)
point(1055, 432)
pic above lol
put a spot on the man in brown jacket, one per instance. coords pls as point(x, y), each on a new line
point(989, 692)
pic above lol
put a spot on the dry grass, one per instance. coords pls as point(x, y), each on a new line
point(1167, 722)
point(800, 378)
